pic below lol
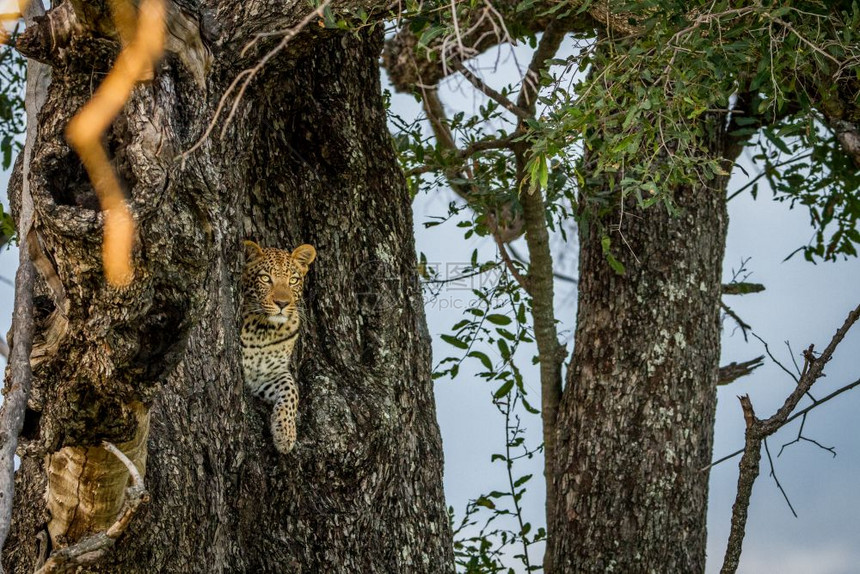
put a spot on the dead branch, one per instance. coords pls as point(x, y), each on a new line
point(800, 437)
point(742, 288)
point(758, 430)
point(743, 325)
point(93, 548)
point(801, 413)
point(776, 479)
point(734, 370)
point(749, 466)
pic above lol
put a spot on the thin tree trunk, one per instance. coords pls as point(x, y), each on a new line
point(307, 159)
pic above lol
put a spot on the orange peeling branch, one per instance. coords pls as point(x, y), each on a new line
point(134, 64)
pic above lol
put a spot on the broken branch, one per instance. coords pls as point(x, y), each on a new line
point(93, 548)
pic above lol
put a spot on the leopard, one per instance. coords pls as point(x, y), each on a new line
point(272, 284)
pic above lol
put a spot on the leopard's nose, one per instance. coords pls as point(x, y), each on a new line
point(281, 303)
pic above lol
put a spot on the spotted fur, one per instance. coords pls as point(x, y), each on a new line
point(272, 291)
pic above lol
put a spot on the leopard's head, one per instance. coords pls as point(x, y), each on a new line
point(272, 280)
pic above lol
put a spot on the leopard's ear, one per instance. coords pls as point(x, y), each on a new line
point(252, 250)
point(304, 256)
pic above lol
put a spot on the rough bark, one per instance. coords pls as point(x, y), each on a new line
point(307, 159)
point(635, 426)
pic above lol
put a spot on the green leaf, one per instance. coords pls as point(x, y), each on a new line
point(522, 480)
point(544, 173)
point(485, 360)
point(504, 389)
point(497, 319)
point(454, 341)
point(504, 350)
point(614, 263)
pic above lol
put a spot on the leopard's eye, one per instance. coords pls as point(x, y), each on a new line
point(265, 278)
point(294, 280)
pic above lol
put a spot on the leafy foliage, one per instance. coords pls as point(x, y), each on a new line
point(633, 117)
point(486, 551)
point(12, 67)
point(626, 119)
point(492, 530)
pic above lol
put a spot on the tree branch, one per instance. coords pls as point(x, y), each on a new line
point(734, 370)
point(547, 48)
point(540, 272)
point(742, 288)
point(743, 325)
point(523, 281)
point(504, 222)
point(490, 92)
point(749, 466)
point(465, 153)
point(758, 430)
point(790, 419)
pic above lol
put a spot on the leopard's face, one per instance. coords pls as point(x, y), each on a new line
point(272, 281)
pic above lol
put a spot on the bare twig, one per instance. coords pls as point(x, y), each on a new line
point(744, 326)
point(792, 418)
point(774, 359)
point(523, 281)
point(776, 479)
point(489, 91)
point(800, 437)
point(93, 548)
point(758, 430)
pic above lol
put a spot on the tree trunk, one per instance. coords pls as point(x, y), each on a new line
point(635, 426)
point(308, 158)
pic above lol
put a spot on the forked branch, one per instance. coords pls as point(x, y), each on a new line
point(758, 430)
